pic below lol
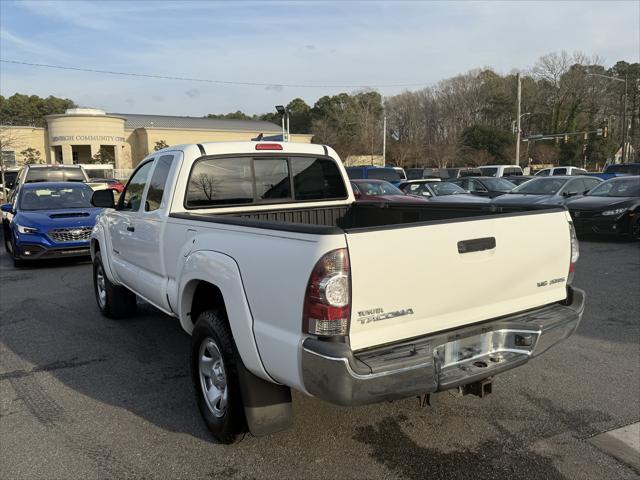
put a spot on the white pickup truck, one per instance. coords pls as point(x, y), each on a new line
point(284, 281)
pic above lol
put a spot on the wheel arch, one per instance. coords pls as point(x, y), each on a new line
point(212, 280)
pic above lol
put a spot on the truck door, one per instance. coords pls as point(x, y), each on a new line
point(123, 224)
point(148, 248)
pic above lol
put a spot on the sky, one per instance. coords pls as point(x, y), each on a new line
point(319, 44)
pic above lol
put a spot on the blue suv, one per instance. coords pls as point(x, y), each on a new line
point(49, 220)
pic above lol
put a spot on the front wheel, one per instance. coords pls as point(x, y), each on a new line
point(114, 301)
point(215, 377)
point(635, 227)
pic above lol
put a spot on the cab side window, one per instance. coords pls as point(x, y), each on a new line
point(158, 182)
point(574, 187)
point(477, 186)
point(132, 196)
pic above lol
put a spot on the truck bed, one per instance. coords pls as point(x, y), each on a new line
point(359, 216)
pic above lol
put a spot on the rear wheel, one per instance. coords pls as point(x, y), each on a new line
point(215, 377)
point(114, 301)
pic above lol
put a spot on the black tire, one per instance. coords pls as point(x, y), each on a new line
point(635, 226)
point(6, 234)
point(229, 423)
point(17, 262)
point(118, 302)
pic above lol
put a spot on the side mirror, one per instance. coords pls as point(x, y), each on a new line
point(7, 208)
point(357, 194)
point(103, 199)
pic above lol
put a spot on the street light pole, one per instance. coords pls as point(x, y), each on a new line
point(518, 123)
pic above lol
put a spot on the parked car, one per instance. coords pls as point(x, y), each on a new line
point(56, 173)
point(438, 191)
point(380, 191)
point(420, 173)
point(49, 220)
point(548, 190)
point(519, 179)
point(485, 186)
point(618, 169)
point(500, 170)
point(388, 174)
point(568, 170)
point(112, 184)
point(285, 282)
point(450, 173)
point(613, 207)
point(10, 177)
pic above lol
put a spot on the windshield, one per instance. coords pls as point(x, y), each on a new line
point(374, 189)
point(498, 184)
point(446, 188)
point(633, 169)
point(540, 186)
point(388, 174)
point(489, 171)
point(55, 198)
point(618, 187)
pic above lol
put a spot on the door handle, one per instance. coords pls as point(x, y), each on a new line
point(131, 228)
point(476, 245)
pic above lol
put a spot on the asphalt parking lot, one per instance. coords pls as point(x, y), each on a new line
point(85, 397)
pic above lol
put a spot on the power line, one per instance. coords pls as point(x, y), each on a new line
point(207, 80)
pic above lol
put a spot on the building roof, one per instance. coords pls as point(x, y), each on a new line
point(136, 120)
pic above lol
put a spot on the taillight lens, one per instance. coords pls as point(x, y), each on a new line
point(575, 251)
point(327, 303)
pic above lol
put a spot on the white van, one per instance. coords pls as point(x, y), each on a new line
point(500, 170)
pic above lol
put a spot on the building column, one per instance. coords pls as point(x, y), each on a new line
point(67, 157)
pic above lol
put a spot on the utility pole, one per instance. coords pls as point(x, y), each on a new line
point(384, 141)
point(624, 122)
point(518, 122)
point(624, 108)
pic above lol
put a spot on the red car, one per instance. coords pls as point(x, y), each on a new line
point(381, 191)
point(112, 183)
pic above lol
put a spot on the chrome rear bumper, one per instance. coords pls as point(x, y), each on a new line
point(441, 361)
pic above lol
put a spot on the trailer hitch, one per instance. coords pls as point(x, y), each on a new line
point(480, 389)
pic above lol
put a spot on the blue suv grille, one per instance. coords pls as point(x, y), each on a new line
point(73, 234)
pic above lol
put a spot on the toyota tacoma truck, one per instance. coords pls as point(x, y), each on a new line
point(285, 282)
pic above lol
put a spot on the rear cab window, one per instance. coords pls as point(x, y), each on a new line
point(54, 175)
point(229, 181)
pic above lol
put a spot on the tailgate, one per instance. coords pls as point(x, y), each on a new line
point(409, 281)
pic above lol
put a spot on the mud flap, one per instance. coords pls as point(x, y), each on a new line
point(267, 406)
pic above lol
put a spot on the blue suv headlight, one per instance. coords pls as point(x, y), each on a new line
point(22, 229)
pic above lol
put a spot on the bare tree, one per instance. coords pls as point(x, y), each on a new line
point(205, 183)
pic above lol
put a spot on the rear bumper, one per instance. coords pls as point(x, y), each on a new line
point(332, 372)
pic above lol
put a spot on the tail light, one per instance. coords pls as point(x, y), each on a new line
point(327, 302)
point(575, 252)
